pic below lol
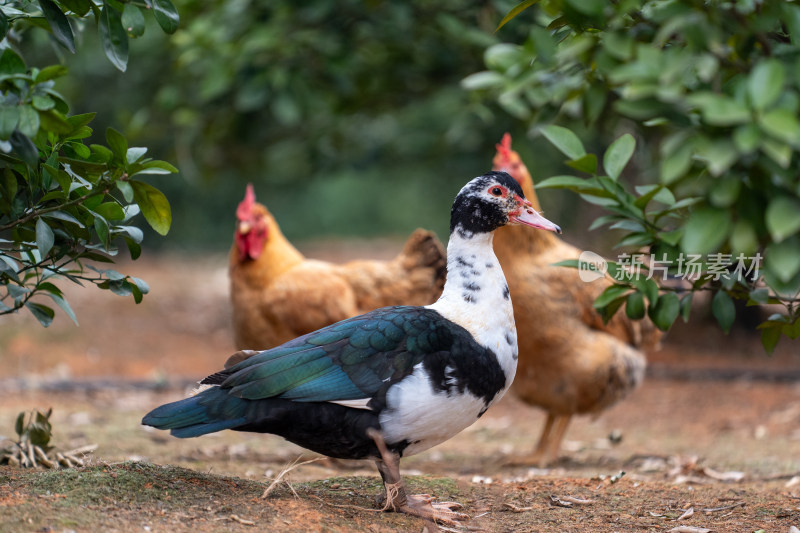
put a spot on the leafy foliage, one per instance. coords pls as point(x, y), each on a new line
point(711, 92)
point(64, 201)
point(357, 102)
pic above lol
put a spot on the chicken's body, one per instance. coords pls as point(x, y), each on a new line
point(570, 362)
point(277, 294)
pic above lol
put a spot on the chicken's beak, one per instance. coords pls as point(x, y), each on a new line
point(528, 216)
point(245, 227)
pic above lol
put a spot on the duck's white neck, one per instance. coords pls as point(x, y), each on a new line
point(476, 297)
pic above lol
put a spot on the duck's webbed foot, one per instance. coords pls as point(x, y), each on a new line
point(395, 498)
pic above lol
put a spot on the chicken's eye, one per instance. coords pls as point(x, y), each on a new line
point(496, 191)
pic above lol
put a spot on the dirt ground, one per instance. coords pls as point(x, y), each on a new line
point(711, 441)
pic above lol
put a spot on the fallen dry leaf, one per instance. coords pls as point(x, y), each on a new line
point(686, 514)
point(723, 476)
point(689, 529)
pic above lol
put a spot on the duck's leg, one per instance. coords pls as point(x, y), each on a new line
point(397, 500)
point(538, 456)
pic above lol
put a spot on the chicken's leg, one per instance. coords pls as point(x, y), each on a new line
point(538, 456)
point(396, 498)
point(562, 421)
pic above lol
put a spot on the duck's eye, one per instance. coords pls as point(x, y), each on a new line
point(496, 191)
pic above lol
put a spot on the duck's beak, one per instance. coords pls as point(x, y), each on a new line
point(528, 216)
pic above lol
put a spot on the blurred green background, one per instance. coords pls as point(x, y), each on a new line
point(347, 116)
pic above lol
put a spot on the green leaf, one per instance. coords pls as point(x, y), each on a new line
point(28, 121)
point(483, 80)
point(52, 121)
point(611, 293)
point(724, 311)
point(44, 237)
point(3, 25)
point(101, 227)
point(50, 73)
point(618, 155)
point(134, 248)
point(747, 138)
point(11, 63)
point(114, 37)
point(783, 217)
point(782, 124)
point(42, 102)
point(665, 311)
point(166, 15)
point(725, 191)
point(718, 155)
point(154, 205)
point(9, 117)
point(783, 258)
point(516, 10)
point(42, 313)
point(587, 163)
point(759, 296)
point(765, 83)
point(676, 165)
point(779, 152)
point(770, 337)
point(784, 289)
point(705, 230)
point(570, 263)
point(152, 167)
point(133, 20)
point(117, 142)
point(634, 305)
point(59, 299)
point(792, 330)
point(23, 145)
point(62, 32)
point(110, 211)
point(647, 287)
point(567, 142)
point(134, 154)
point(720, 110)
point(743, 238)
point(686, 306)
point(126, 190)
point(79, 7)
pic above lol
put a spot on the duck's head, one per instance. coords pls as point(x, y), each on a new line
point(252, 226)
point(491, 201)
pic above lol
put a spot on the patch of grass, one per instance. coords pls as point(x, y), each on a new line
point(133, 481)
point(363, 486)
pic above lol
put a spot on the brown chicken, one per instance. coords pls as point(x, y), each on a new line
point(570, 362)
point(277, 294)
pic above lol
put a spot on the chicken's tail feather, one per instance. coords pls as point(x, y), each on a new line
point(423, 249)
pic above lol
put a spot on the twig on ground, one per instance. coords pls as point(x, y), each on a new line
point(516, 509)
point(285, 471)
point(725, 508)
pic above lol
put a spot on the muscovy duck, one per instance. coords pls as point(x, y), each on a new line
point(392, 382)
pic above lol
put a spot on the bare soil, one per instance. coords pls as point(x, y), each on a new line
point(711, 440)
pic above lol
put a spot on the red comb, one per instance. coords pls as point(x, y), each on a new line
point(504, 148)
point(243, 211)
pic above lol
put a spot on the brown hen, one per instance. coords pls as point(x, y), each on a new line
point(570, 362)
point(277, 294)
